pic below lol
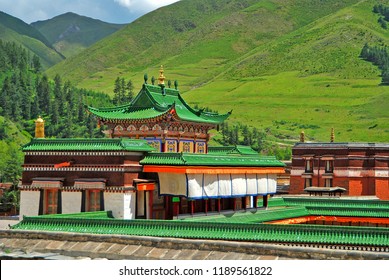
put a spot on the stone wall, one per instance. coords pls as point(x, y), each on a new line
point(135, 247)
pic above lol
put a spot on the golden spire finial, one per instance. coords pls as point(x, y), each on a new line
point(332, 135)
point(161, 78)
point(302, 137)
point(39, 128)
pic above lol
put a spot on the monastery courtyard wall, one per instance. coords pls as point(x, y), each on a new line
point(134, 247)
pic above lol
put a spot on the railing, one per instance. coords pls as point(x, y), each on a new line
point(310, 234)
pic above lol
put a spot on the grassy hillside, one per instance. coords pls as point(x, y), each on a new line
point(22, 28)
point(70, 33)
point(13, 29)
point(203, 36)
point(282, 65)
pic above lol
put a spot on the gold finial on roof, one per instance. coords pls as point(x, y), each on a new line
point(39, 128)
point(332, 135)
point(161, 78)
point(302, 137)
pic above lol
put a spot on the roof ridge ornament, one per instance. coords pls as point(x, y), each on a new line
point(332, 138)
point(39, 128)
point(161, 78)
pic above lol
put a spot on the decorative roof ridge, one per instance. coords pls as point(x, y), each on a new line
point(46, 140)
point(159, 106)
point(90, 144)
point(168, 90)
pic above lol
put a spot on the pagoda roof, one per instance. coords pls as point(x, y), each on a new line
point(92, 144)
point(153, 102)
point(190, 159)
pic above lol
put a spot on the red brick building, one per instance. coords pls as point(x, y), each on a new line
point(360, 168)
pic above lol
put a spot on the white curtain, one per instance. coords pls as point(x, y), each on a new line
point(211, 186)
point(195, 185)
point(252, 185)
point(225, 185)
point(172, 184)
point(262, 184)
point(272, 185)
point(199, 186)
point(239, 185)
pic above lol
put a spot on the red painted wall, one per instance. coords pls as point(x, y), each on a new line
point(382, 188)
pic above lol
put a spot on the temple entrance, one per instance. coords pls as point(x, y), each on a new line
point(143, 210)
point(149, 205)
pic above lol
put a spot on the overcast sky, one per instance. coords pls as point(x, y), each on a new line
point(113, 11)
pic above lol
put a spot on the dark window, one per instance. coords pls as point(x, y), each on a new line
point(308, 166)
point(328, 182)
point(329, 166)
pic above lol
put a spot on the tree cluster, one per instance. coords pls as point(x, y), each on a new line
point(378, 56)
point(123, 91)
point(239, 134)
point(25, 94)
point(383, 11)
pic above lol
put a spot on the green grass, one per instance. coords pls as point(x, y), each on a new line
point(281, 65)
point(287, 103)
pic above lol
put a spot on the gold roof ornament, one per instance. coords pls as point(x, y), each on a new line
point(161, 78)
point(302, 137)
point(332, 135)
point(39, 128)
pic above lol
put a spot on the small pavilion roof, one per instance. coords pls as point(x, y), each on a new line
point(155, 101)
point(92, 144)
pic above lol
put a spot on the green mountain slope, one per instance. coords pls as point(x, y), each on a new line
point(206, 34)
point(13, 29)
point(282, 65)
point(22, 28)
point(70, 33)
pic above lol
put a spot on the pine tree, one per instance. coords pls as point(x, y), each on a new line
point(36, 64)
point(43, 91)
point(58, 94)
point(117, 92)
point(13, 167)
point(365, 51)
point(130, 91)
point(385, 77)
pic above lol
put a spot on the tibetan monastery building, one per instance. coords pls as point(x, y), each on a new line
point(156, 164)
point(357, 169)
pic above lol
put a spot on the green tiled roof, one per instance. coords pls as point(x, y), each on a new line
point(189, 159)
point(259, 216)
point(95, 144)
point(225, 150)
point(151, 102)
point(337, 203)
point(245, 231)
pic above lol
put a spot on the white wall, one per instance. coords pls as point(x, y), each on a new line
point(122, 205)
point(71, 202)
point(29, 203)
